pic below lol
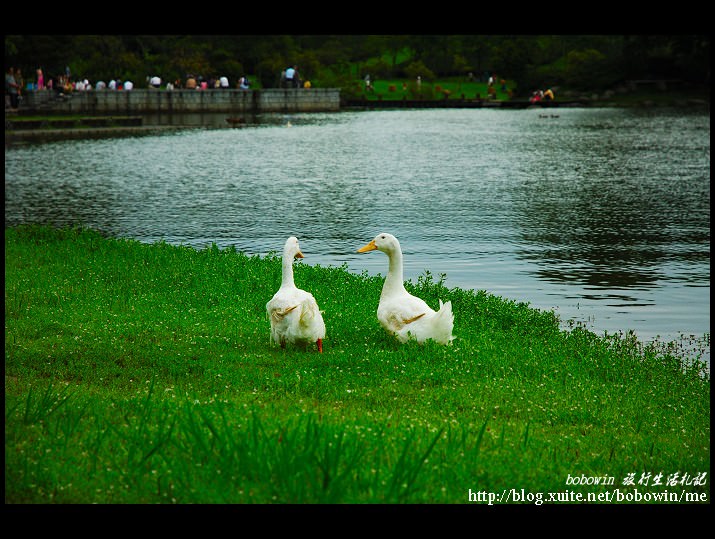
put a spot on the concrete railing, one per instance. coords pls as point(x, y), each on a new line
point(168, 101)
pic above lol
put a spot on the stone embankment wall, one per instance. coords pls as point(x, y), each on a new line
point(168, 101)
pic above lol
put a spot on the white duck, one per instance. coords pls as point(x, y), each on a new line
point(294, 313)
point(401, 313)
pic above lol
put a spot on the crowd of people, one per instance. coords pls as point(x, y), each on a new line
point(65, 84)
point(197, 82)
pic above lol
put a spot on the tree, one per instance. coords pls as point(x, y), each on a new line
point(512, 56)
point(586, 70)
point(587, 60)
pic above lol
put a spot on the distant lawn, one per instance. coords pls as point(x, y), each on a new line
point(398, 89)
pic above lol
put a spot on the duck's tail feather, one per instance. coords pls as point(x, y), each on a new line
point(443, 323)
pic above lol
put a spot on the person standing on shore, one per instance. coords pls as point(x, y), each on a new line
point(20, 80)
point(289, 75)
point(11, 88)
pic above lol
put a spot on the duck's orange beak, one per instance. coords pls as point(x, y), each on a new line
point(299, 255)
point(369, 247)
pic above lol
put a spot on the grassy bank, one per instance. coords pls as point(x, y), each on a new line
point(142, 373)
point(458, 88)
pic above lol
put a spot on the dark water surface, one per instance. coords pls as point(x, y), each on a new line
point(602, 215)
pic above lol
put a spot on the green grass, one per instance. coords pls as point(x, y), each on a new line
point(455, 88)
point(140, 373)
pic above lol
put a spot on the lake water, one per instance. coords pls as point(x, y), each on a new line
point(602, 215)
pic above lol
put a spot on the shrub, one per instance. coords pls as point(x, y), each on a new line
point(419, 69)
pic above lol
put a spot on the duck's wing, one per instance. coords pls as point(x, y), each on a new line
point(281, 304)
point(396, 313)
point(279, 314)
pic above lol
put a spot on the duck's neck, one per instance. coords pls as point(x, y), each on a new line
point(287, 280)
point(394, 282)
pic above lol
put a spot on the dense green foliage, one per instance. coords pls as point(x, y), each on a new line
point(531, 61)
point(139, 373)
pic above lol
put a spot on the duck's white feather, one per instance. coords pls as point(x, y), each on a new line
point(399, 312)
point(293, 313)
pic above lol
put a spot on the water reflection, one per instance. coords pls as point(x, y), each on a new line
point(613, 214)
point(601, 214)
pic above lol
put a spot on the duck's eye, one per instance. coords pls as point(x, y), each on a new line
point(382, 237)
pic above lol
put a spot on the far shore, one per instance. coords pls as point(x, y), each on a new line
point(28, 126)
